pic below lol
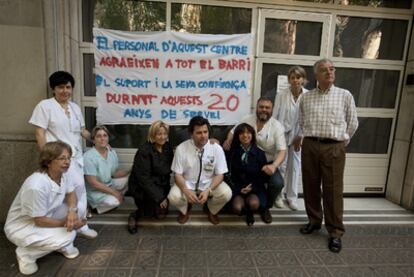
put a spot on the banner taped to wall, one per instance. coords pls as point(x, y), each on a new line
point(171, 76)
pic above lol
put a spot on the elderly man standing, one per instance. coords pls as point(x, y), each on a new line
point(199, 166)
point(327, 120)
point(270, 137)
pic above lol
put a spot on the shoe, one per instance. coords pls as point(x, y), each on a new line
point(70, 252)
point(213, 218)
point(183, 218)
point(27, 268)
point(266, 216)
point(132, 223)
point(249, 219)
point(88, 233)
point(292, 205)
point(309, 228)
point(335, 244)
point(279, 202)
point(89, 212)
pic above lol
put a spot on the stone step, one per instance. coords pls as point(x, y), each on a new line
point(280, 217)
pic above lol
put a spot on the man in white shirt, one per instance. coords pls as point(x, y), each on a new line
point(270, 137)
point(199, 167)
point(327, 121)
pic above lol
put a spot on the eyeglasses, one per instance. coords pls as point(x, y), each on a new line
point(327, 70)
point(63, 159)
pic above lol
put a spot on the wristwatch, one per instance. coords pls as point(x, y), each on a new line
point(73, 209)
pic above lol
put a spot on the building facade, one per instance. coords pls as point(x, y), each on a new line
point(369, 42)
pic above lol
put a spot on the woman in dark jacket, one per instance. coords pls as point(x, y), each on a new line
point(149, 182)
point(246, 163)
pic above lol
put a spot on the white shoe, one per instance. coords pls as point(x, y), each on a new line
point(292, 205)
point(279, 202)
point(27, 268)
point(70, 252)
point(88, 233)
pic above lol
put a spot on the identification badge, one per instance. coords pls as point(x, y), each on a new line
point(209, 165)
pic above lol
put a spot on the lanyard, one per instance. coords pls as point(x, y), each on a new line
point(200, 158)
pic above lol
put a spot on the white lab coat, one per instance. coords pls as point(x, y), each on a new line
point(50, 115)
point(39, 196)
point(286, 111)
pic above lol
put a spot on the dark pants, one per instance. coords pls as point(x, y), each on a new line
point(274, 188)
point(324, 163)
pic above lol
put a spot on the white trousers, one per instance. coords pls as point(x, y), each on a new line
point(111, 202)
point(290, 170)
point(50, 239)
point(75, 173)
point(220, 196)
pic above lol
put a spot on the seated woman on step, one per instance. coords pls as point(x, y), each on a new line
point(149, 182)
point(105, 183)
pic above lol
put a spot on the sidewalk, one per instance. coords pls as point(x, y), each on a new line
point(369, 249)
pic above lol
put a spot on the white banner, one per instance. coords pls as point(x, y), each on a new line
point(143, 77)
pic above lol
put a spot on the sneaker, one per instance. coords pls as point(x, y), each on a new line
point(88, 233)
point(292, 205)
point(27, 268)
point(279, 202)
point(70, 252)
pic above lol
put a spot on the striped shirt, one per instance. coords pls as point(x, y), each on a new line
point(328, 114)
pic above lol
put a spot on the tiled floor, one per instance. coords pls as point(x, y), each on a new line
point(368, 250)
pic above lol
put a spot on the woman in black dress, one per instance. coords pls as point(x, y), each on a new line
point(149, 182)
point(246, 163)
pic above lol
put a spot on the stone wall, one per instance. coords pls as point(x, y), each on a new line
point(400, 184)
point(18, 159)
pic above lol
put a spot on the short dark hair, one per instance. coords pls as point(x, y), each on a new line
point(264, 98)
point(51, 151)
point(241, 128)
point(61, 78)
point(198, 121)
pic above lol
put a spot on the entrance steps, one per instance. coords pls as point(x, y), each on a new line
point(357, 211)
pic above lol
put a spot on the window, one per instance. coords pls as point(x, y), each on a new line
point(292, 37)
point(270, 72)
point(370, 38)
point(126, 15)
point(372, 88)
point(372, 136)
point(203, 19)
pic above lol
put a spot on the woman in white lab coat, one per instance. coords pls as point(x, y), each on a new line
point(286, 111)
point(58, 118)
point(44, 215)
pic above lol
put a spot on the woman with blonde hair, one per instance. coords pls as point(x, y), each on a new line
point(149, 182)
point(286, 111)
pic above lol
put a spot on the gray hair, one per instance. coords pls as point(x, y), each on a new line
point(318, 62)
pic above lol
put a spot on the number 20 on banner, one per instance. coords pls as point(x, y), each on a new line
point(220, 103)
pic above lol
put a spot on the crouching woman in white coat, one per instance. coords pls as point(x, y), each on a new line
point(44, 215)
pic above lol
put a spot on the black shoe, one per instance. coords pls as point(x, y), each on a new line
point(249, 219)
point(132, 223)
point(266, 216)
point(335, 244)
point(309, 228)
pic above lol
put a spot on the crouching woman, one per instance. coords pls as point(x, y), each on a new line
point(44, 215)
